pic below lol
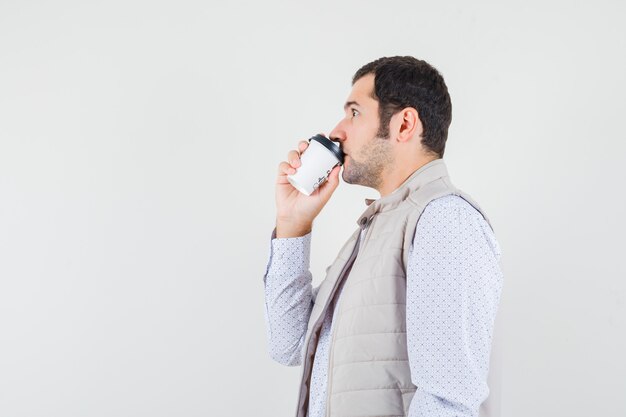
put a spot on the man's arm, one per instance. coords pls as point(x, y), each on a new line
point(454, 283)
point(288, 298)
point(288, 292)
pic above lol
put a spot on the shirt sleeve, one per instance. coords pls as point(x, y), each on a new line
point(454, 283)
point(288, 298)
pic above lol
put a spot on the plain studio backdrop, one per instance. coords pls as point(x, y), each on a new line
point(139, 145)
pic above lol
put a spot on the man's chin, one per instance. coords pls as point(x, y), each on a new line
point(345, 176)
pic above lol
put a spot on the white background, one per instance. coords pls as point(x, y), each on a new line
point(139, 142)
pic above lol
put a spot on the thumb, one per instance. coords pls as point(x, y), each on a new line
point(331, 184)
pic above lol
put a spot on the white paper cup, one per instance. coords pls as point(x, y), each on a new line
point(317, 161)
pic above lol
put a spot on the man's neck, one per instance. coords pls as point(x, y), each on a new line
point(395, 179)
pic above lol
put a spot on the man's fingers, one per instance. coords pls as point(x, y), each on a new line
point(285, 168)
point(293, 160)
point(282, 179)
point(293, 157)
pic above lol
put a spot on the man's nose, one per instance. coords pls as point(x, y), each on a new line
point(337, 135)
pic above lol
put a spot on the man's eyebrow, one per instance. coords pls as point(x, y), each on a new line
point(350, 103)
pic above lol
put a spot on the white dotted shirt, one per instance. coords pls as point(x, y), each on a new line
point(454, 283)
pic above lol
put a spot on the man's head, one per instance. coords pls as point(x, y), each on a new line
point(397, 116)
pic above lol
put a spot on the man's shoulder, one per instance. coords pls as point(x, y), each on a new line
point(450, 203)
point(452, 208)
point(451, 214)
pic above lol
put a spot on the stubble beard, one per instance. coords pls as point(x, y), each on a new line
point(373, 159)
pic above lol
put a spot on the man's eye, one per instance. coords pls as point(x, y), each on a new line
point(354, 111)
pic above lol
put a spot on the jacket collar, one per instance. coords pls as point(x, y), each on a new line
point(427, 173)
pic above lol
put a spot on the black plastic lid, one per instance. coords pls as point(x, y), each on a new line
point(330, 145)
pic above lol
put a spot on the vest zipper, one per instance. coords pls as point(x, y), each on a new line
point(340, 281)
point(316, 329)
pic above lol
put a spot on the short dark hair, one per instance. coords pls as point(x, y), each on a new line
point(404, 81)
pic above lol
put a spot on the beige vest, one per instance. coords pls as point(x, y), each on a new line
point(369, 372)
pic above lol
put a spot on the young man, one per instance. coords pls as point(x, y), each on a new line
point(402, 325)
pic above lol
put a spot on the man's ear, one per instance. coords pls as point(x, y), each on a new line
point(409, 124)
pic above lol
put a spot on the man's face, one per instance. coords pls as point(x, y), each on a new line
point(367, 155)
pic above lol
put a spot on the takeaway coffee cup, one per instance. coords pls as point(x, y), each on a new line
point(317, 161)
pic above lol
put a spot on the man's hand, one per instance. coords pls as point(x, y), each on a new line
point(296, 211)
